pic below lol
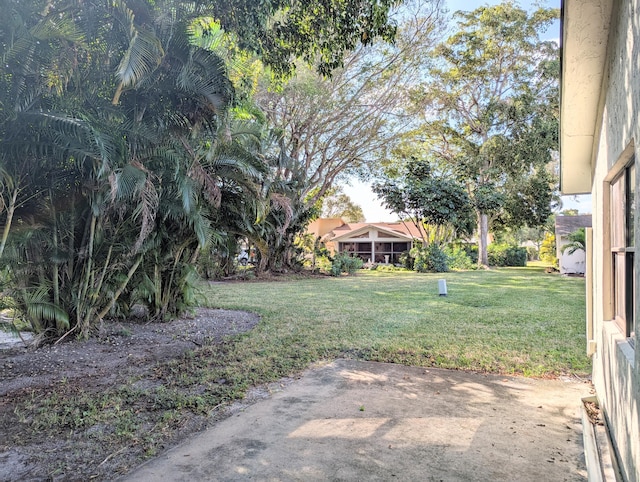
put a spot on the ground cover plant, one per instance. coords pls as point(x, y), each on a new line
point(96, 409)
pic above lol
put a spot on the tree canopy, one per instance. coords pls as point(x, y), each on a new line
point(337, 204)
point(437, 204)
point(490, 108)
point(318, 31)
point(324, 130)
point(122, 157)
point(138, 136)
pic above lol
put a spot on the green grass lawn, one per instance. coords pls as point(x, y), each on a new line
point(511, 320)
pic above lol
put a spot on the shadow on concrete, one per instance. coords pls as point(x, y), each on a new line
point(352, 420)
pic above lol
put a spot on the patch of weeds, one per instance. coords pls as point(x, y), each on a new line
point(124, 332)
point(400, 355)
point(126, 424)
point(60, 412)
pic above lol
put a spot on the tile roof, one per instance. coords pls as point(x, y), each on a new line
point(407, 229)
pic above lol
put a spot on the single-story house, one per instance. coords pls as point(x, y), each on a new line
point(575, 262)
point(372, 242)
point(599, 154)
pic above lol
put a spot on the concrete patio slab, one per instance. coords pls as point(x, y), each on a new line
point(351, 420)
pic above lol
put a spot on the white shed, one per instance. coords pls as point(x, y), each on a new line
point(574, 263)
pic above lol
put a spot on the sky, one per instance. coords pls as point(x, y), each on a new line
point(360, 192)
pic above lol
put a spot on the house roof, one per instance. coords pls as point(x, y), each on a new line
point(585, 31)
point(407, 231)
point(566, 225)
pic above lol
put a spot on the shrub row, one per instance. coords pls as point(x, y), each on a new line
point(506, 255)
point(435, 259)
point(343, 263)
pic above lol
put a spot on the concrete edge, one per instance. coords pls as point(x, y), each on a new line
point(601, 466)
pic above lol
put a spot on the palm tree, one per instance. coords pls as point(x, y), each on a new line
point(577, 241)
point(90, 158)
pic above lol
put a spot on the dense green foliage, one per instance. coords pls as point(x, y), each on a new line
point(437, 259)
point(507, 255)
point(437, 204)
point(111, 158)
point(125, 154)
point(319, 31)
point(459, 258)
point(343, 263)
point(430, 259)
point(491, 113)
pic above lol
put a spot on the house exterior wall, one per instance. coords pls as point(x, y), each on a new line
point(573, 263)
point(322, 226)
point(616, 362)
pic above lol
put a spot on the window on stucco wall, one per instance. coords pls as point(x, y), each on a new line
point(622, 191)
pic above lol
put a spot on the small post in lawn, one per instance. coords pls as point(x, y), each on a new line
point(442, 287)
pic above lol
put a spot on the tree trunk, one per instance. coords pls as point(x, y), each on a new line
point(263, 249)
point(7, 225)
point(120, 289)
point(483, 239)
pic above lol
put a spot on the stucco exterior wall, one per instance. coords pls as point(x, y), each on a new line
point(573, 263)
point(322, 226)
point(616, 363)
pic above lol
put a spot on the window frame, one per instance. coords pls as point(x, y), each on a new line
point(391, 250)
point(621, 211)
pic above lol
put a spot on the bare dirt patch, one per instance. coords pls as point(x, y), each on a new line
point(94, 409)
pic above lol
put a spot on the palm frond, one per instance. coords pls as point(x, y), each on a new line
point(210, 186)
point(206, 33)
point(204, 75)
point(577, 241)
point(188, 194)
point(39, 309)
point(126, 182)
point(143, 56)
point(21, 49)
point(57, 25)
point(75, 137)
point(201, 227)
point(227, 164)
point(282, 203)
point(146, 211)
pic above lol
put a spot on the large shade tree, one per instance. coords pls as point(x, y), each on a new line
point(317, 31)
point(325, 130)
point(337, 204)
point(491, 113)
